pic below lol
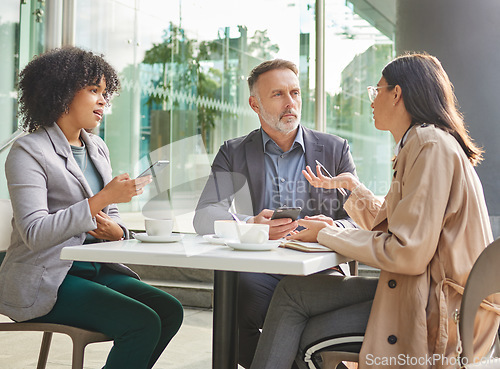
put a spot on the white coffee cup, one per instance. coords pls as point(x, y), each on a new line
point(253, 233)
point(226, 229)
point(159, 227)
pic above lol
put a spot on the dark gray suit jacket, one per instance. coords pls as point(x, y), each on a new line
point(49, 196)
point(238, 174)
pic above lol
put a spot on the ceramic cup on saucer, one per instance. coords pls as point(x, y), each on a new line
point(226, 229)
point(253, 233)
point(159, 227)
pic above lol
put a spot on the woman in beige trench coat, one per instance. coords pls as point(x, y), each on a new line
point(425, 237)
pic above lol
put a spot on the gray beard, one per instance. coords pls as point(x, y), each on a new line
point(286, 127)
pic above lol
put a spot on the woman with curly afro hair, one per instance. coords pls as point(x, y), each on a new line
point(62, 191)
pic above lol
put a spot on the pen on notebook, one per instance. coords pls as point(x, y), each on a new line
point(341, 190)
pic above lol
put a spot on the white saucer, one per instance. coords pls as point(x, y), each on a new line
point(213, 238)
point(143, 237)
point(266, 246)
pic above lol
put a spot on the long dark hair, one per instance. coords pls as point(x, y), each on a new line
point(49, 83)
point(429, 98)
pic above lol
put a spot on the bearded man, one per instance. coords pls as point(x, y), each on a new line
point(262, 171)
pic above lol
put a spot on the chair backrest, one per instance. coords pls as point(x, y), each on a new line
point(5, 223)
point(484, 279)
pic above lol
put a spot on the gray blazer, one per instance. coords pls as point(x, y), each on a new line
point(49, 195)
point(238, 174)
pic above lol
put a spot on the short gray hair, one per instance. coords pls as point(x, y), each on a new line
point(266, 67)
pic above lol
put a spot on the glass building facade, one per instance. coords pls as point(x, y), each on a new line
point(183, 66)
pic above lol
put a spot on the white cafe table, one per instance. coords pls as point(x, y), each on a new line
point(194, 252)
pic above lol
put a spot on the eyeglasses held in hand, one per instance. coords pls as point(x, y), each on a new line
point(373, 91)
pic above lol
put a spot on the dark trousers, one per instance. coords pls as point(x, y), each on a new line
point(255, 291)
point(141, 319)
point(306, 312)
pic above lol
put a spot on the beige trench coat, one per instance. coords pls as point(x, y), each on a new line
point(425, 238)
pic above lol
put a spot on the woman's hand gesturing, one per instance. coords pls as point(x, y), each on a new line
point(343, 180)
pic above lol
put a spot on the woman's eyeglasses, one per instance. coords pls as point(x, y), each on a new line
point(373, 91)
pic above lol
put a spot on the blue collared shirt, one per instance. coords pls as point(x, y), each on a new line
point(285, 184)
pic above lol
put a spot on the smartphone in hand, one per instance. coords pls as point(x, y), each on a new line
point(287, 212)
point(154, 168)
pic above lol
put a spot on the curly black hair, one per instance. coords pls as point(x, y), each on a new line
point(49, 83)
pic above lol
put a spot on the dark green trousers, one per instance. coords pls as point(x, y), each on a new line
point(141, 319)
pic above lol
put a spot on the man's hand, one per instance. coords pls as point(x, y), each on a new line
point(278, 228)
point(107, 228)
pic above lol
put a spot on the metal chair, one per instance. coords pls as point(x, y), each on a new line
point(80, 337)
point(484, 280)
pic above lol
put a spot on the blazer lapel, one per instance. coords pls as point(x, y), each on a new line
point(314, 151)
point(98, 157)
point(254, 158)
point(62, 148)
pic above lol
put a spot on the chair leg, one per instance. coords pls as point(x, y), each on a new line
point(353, 267)
point(44, 350)
point(78, 353)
